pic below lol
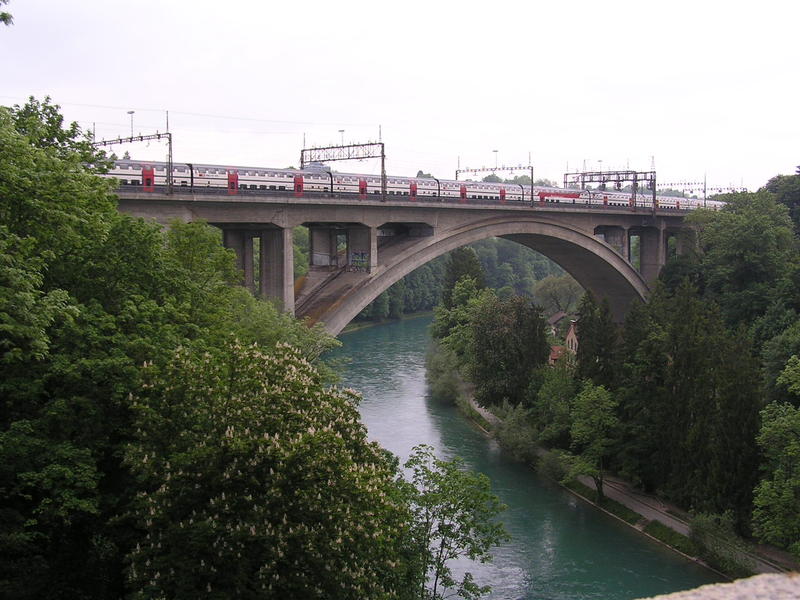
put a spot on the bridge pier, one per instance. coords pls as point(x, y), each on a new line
point(353, 246)
point(276, 262)
point(617, 238)
point(277, 266)
point(652, 252)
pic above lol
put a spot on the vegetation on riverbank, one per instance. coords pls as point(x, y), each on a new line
point(688, 399)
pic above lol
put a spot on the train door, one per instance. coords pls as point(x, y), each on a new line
point(148, 179)
point(298, 186)
point(362, 189)
point(412, 190)
point(463, 193)
point(605, 200)
point(502, 195)
point(541, 198)
point(233, 183)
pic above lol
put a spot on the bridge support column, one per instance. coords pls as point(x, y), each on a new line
point(241, 242)
point(362, 248)
point(652, 252)
point(322, 246)
point(277, 266)
point(373, 249)
point(617, 238)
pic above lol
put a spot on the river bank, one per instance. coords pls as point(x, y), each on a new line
point(648, 515)
point(561, 547)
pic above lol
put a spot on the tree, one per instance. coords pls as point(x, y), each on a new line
point(507, 345)
point(454, 512)
point(748, 249)
point(453, 326)
point(553, 404)
point(257, 480)
point(593, 430)
point(787, 191)
point(776, 517)
point(597, 342)
point(88, 295)
point(461, 262)
point(5, 18)
point(557, 293)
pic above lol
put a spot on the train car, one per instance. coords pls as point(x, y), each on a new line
point(318, 178)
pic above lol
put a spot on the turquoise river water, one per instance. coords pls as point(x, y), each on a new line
point(561, 548)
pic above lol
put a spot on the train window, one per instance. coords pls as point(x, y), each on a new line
point(253, 186)
point(282, 187)
point(262, 187)
point(272, 187)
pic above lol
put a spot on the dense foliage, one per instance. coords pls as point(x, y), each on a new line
point(698, 389)
point(165, 434)
point(257, 481)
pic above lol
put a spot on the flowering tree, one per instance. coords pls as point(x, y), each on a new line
point(260, 482)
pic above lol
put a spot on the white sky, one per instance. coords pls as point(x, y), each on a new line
point(706, 87)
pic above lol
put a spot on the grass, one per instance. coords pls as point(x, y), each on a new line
point(612, 506)
point(672, 538)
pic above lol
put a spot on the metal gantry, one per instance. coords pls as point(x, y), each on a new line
point(146, 138)
point(493, 170)
point(700, 186)
point(617, 178)
point(347, 152)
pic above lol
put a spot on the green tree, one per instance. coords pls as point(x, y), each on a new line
point(557, 293)
point(453, 326)
point(597, 342)
point(460, 262)
point(593, 430)
point(5, 18)
point(553, 404)
point(776, 516)
point(89, 296)
point(258, 481)
point(507, 345)
point(748, 249)
point(786, 189)
point(454, 512)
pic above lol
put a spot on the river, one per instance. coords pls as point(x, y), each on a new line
point(561, 548)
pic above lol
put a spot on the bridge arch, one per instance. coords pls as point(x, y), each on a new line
point(592, 262)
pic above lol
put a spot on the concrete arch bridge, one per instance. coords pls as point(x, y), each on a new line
point(358, 248)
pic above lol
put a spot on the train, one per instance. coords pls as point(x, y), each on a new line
point(317, 178)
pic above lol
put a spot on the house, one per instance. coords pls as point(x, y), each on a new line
point(571, 341)
point(556, 352)
point(553, 321)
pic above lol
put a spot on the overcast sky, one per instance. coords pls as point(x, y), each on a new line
point(701, 87)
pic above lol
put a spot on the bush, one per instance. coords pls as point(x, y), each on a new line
point(444, 382)
point(719, 545)
point(517, 435)
point(551, 464)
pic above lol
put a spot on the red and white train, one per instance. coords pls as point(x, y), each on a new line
point(319, 179)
